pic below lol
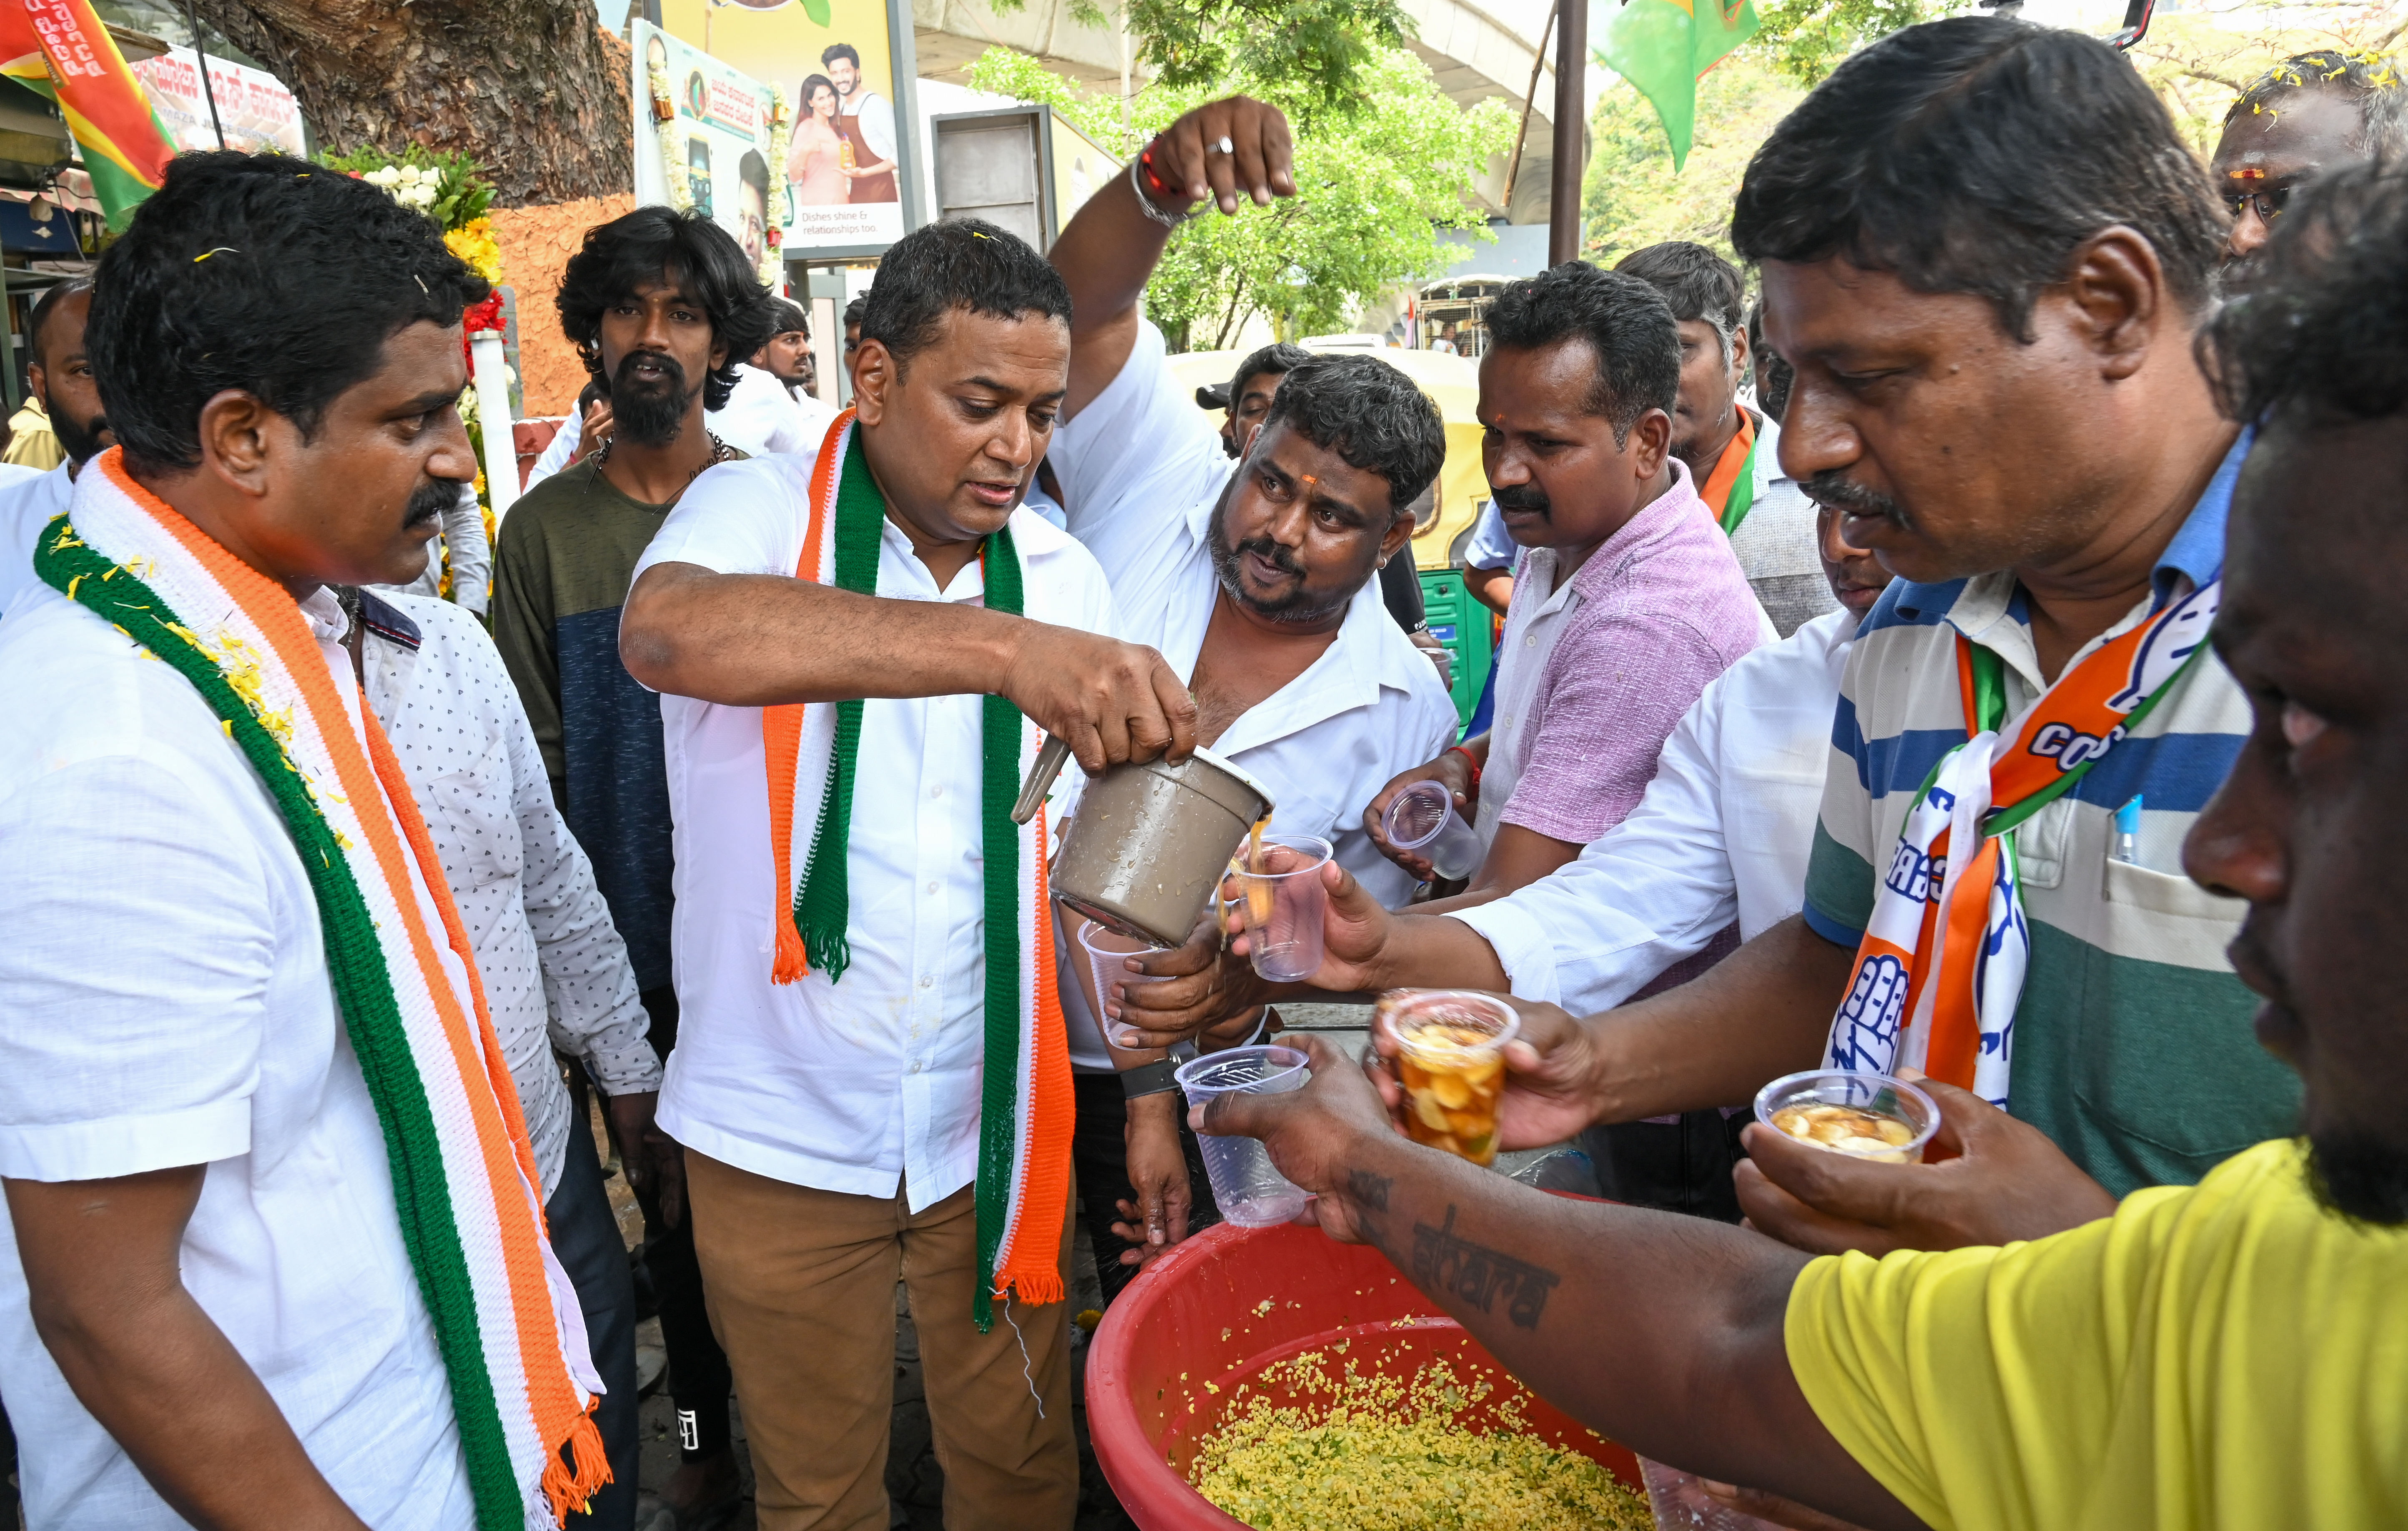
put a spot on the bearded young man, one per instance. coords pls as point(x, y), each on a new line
point(661, 307)
point(274, 1254)
point(858, 647)
point(2217, 1358)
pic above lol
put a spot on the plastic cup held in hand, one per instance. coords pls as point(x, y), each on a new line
point(1422, 819)
point(1108, 955)
point(1284, 903)
point(1451, 1060)
point(1864, 1116)
point(1249, 1192)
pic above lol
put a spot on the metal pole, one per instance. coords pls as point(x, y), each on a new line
point(1530, 99)
point(1571, 132)
point(201, 53)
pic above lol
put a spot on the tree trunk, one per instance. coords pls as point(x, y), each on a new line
point(534, 89)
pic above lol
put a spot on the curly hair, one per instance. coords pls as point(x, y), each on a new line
point(1976, 154)
point(263, 273)
point(2371, 80)
point(1371, 415)
point(2323, 336)
point(655, 244)
point(960, 263)
point(1627, 322)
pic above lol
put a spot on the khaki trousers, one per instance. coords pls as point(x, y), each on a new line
point(800, 1285)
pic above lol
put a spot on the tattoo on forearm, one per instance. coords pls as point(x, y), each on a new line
point(1370, 1189)
point(1444, 1262)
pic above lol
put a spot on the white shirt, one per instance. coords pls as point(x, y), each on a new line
point(1142, 471)
point(472, 558)
point(876, 116)
point(30, 499)
point(555, 971)
point(1531, 628)
point(761, 418)
point(164, 1001)
point(855, 1085)
point(1723, 831)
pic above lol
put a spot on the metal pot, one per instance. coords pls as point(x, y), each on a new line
point(1145, 852)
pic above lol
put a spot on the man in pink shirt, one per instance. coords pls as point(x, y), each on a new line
point(1627, 600)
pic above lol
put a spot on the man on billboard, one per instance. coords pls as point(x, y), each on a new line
point(866, 122)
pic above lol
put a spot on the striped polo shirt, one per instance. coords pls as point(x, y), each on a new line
point(2132, 1043)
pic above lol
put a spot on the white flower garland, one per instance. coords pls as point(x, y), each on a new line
point(681, 189)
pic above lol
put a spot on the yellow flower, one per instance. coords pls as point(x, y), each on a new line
point(474, 243)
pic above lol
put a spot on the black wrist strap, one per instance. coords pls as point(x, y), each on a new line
point(1156, 1077)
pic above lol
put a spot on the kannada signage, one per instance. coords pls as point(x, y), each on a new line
point(711, 129)
point(254, 108)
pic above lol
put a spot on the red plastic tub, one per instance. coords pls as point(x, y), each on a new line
point(1231, 1301)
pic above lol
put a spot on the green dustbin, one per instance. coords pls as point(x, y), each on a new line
point(1458, 619)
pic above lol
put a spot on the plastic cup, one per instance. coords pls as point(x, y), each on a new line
point(1864, 1116)
point(1422, 819)
point(1451, 1060)
point(1108, 955)
point(1284, 904)
point(1249, 1192)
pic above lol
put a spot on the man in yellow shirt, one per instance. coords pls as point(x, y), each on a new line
point(2228, 1355)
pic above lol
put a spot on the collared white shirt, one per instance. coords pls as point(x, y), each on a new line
point(555, 971)
point(1531, 627)
point(30, 499)
point(1724, 833)
point(164, 1001)
point(759, 419)
point(855, 1085)
point(1142, 471)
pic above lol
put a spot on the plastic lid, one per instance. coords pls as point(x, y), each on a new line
point(1208, 758)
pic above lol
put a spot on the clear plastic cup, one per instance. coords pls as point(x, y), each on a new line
point(1249, 1192)
point(1108, 955)
point(1284, 903)
point(1451, 1060)
point(1422, 819)
point(1865, 1116)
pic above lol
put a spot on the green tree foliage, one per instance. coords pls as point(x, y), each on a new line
point(1325, 53)
point(1372, 194)
point(1631, 197)
point(1804, 40)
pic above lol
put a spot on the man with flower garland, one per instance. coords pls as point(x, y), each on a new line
point(858, 649)
point(274, 1254)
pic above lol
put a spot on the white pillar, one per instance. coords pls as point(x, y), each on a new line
point(493, 418)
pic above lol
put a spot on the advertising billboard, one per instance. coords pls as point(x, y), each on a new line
point(848, 155)
point(709, 125)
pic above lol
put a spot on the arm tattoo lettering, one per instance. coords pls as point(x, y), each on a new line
point(1445, 1262)
point(1370, 1189)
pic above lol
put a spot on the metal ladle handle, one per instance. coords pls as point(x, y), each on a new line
point(1041, 778)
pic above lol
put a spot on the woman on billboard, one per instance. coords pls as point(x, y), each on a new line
point(814, 162)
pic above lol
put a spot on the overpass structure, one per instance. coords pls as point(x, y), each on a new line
point(1479, 49)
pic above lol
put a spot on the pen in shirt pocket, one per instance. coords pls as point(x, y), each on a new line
point(2127, 833)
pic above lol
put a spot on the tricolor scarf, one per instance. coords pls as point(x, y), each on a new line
point(1941, 968)
point(506, 1318)
point(1730, 489)
point(1025, 1108)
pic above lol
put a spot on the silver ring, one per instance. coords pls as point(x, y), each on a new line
point(1221, 146)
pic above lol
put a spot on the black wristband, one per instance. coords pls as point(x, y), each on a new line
point(1156, 1077)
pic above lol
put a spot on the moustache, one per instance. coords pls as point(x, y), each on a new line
point(1828, 488)
point(428, 501)
point(1528, 497)
point(1274, 554)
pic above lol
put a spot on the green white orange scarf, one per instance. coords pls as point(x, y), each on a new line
point(1025, 1106)
point(464, 1177)
point(1729, 490)
point(1941, 968)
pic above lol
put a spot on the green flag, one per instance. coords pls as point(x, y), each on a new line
point(1663, 45)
